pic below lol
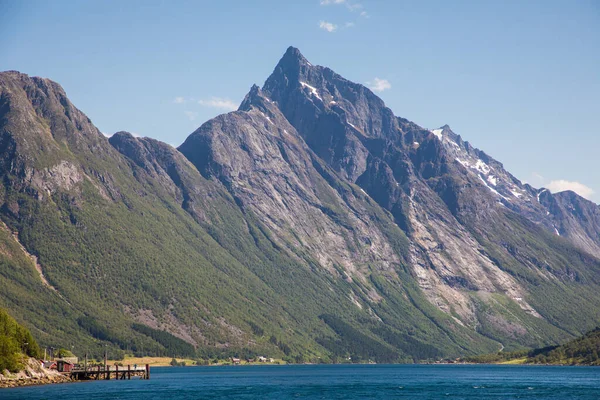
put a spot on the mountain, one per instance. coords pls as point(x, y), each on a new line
point(582, 350)
point(310, 223)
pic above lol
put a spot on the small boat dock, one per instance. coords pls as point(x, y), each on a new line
point(104, 372)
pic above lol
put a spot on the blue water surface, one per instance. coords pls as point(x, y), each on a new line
point(336, 382)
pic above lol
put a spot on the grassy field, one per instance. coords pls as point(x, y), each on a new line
point(153, 361)
point(516, 361)
point(166, 361)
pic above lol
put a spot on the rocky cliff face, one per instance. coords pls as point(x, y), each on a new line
point(580, 225)
point(267, 166)
point(440, 190)
point(312, 222)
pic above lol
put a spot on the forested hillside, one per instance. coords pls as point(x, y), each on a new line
point(312, 224)
point(15, 342)
point(583, 350)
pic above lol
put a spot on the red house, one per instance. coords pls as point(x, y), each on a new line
point(64, 366)
point(50, 364)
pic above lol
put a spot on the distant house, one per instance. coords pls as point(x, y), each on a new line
point(235, 360)
point(262, 359)
point(72, 360)
point(64, 366)
point(50, 364)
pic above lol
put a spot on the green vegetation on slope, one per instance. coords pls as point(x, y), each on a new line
point(584, 350)
point(175, 345)
point(15, 341)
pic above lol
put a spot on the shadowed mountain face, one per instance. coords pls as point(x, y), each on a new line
point(311, 222)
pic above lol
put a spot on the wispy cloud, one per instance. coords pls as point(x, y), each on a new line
point(328, 26)
point(349, 24)
point(350, 5)
point(561, 185)
point(191, 115)
point(179, 100)
point(379, 85)
point(218, 102)
point(537, 176)
point(535, 179)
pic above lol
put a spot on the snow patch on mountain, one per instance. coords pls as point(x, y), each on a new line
point(313, 90)
point(482, 167)
point(491, 188)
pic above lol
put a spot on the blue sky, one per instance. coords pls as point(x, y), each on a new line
point(520, 80)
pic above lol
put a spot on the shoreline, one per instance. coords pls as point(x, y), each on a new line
point(21, 379)
point(10, 383)
point(32, 375)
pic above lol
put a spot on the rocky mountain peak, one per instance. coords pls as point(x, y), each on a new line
point(293, 60)
point(253, 97)
point(291, 69)
point(120, 136)
point(129, 146)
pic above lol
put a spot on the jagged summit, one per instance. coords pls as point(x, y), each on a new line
point(293, 56)
point(251, 98)
point(45, 84)
point(291, 69)
point(12, 72)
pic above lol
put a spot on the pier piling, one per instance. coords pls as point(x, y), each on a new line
point(99, 373)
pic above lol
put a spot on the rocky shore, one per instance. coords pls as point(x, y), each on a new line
point(32, 374)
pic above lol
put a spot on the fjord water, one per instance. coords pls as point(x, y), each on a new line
point(337, 382)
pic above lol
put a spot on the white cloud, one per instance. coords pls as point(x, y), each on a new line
point(350, 5)
point(537, 176)
point(561, 185)
point(191, 115)
point(379, 85)
point(179, 100)
point(328, 26)
point(218, 102)
point(535, 179)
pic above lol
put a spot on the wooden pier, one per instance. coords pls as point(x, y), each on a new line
point(104, 372)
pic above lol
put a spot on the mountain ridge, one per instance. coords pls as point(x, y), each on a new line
point(311, 222)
